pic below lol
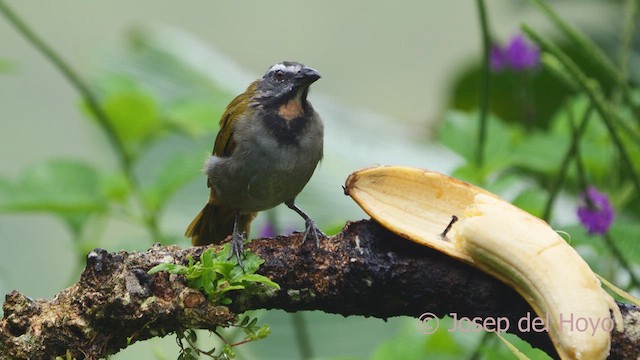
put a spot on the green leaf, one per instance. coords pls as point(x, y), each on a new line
point(459, 132)
point(253, 323)
point(225, 268)
point(228, 351)
point(207, 283)
point(72, 190)
point(259, 279)
point(195, 271)
point(472, 174)
point(207, 258)
point(196, 283)
point(503, 352)
point(168, 267)
point(116, 187)
point(598, 162)
point(58, 186)
point(264, 331)
point(192, 336)
point(225, 301)
point(252, 262)
point(532, 200)
point(224, 253)
point(625, 235)
point(401, 347)
point(334, 228)
point(244, 321)
point(541, 152)
point(133, 115)
point(514, 350)
point(443, 342)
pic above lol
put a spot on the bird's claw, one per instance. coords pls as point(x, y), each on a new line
point(237, 247)
point(312, 229)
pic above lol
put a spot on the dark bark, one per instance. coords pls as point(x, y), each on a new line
point(364, 270)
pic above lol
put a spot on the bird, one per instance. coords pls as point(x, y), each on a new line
point(268, 146)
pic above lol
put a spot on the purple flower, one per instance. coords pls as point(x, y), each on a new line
point(521, 55)
point(267, 230)
point(595, 212)
point(518, 55)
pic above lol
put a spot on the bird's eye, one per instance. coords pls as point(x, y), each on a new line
point(278, 75)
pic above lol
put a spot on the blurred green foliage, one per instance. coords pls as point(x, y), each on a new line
point(555, 131)
point(534, 157)
point(144, 117)
point(159, 105)
point(529, 98)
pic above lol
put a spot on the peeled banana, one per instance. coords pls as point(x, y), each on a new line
point(499, 239)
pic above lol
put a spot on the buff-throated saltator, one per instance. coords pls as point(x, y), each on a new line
point(267, 148)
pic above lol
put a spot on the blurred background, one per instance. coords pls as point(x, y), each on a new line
point(391, 72)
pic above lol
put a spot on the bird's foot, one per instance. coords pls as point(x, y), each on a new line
point(311, 229)
point(237, 247)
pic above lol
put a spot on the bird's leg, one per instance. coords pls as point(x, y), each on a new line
point(310, 227)
point(237, 241)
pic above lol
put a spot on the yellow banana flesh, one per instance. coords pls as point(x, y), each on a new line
point(499, 239)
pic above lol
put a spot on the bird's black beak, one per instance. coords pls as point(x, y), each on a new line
point(307, 76)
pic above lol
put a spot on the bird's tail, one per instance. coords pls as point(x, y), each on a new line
point(214, 223)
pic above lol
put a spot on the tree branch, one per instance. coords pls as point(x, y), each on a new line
point(364, 270)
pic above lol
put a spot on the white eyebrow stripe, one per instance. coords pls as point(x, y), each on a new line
point(278, 67)
point(291, 68)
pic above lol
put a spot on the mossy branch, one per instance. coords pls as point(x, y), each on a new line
point(364, 270)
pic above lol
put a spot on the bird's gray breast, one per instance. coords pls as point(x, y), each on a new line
point(265, 171)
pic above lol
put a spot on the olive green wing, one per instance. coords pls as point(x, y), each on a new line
point(225, 143)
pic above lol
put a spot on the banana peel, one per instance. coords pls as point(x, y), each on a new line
point(500, 239)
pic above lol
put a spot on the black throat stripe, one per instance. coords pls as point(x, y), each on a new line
point(286, 132)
